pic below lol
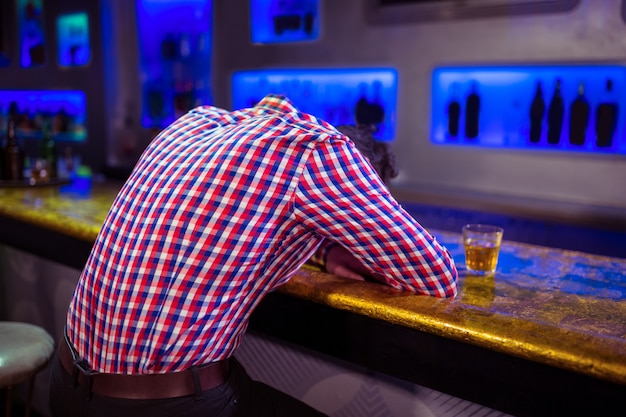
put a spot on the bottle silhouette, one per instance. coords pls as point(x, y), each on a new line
point(579, 117)
point(537, 111)
point(454, 113)
point(369, 113)
point(555, 115)
point(169, 47)
point(606, 118)
point(361, 108)
point(13, 111)
point(13, 163)
point(127, 139)
point(48, 151)
point(472, 110)
point(377, 105)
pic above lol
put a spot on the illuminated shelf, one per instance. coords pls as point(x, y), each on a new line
point(175, 58)
point(591, 107)
point(74, 48)
point(277, 21)
point(66, 109)
point(32, 33)
point(333, 95)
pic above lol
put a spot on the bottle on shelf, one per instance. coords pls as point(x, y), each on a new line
point(169, 47)
point(378, 107)
point(48, 151)
point(606, 117)
point(579, 117)
point(13, 156)
point(183, 97)
point(556, 110)
point(454, 113)
point(368, 112)
point(472, 113)
point(128, 139)
point(537, 112)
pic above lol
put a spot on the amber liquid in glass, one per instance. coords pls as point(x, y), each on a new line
point(481, 256)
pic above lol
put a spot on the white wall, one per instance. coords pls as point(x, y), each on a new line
point(592, 32)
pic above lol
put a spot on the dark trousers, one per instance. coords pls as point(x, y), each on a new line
point(238, 396)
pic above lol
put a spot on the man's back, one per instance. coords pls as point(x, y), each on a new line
point(195, 238)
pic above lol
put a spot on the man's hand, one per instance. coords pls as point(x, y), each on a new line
point(340, 262)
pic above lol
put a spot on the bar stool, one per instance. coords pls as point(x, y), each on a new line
point(25, 349)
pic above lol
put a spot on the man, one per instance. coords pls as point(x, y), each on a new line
point(221, 209)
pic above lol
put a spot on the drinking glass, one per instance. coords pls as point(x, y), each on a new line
point(482, 245)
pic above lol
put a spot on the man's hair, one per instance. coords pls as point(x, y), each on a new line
point(379, 153)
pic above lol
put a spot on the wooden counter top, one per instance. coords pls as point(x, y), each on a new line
point(558, 308)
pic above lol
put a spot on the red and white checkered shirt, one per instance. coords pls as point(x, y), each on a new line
point(222, 208)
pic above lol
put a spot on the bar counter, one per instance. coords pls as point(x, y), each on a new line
point(548, 328)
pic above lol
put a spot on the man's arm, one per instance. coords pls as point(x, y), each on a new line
point(341, 197)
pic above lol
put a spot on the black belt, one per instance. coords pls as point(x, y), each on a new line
point(146, 386)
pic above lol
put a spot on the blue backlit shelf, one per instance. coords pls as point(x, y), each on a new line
point(73, 46)
point(66, 109)
point(175, 58)
point(338, 96)
point(278, 21)
point(32, 33)
point(577, 108)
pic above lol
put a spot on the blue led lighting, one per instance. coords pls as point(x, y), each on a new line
point(175, 57)
point(31, 33)
point(66, 109)
point(74, 48)
point(330, 94)
point(578, 108)
point(276, 21)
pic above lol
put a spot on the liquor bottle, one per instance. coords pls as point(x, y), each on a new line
point(183, 97)
point(555, 115)
point(377, 107)
point(579, 117)
point(472, 110)
point(48, 151)
point(362, 113)
point(537, 111)
point(13, 111)
point(169, 47)
point(13, 163)
point(606, 118)
point(454, 113)
point(128, 139)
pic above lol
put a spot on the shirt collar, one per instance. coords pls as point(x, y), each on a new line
point(277, 103)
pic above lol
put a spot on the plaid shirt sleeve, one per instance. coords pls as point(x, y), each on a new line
point(343, 199)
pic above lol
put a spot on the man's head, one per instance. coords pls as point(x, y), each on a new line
point(379, 153)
